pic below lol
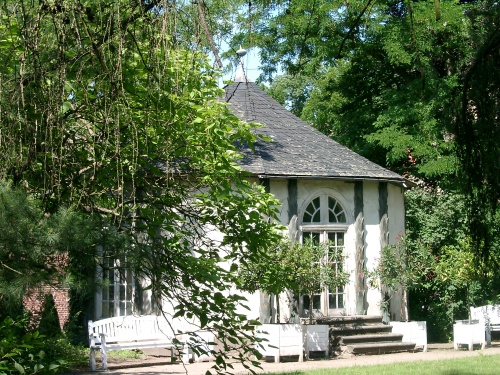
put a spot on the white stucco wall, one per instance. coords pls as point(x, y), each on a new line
point(372, 239)
point(396, 215)
point(396, 230)
point(344, 193)
point(280, 190)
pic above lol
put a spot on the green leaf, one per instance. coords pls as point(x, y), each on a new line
point(66, 106)
point(19, 368)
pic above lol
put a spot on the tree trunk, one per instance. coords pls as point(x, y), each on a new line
point(311, 296)
point(278, 308)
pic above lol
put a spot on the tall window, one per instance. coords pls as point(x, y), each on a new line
point(325, 221)
point(117, 290)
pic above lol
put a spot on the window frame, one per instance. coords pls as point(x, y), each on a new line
point(107, 306)
point(324, 227)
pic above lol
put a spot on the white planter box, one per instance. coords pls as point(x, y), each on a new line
point(283, 340)
point(412, 332)
point(468, 333)
point(316, 338)
point(204, 342)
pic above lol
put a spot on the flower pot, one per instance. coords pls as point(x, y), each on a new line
point(413, 331)
point(468, 332)
point(282, 340)
point(316, 338)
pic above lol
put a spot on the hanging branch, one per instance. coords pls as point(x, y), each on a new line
point(414, 40)
point(351, 29)
point(437, 8)
point(201, 12)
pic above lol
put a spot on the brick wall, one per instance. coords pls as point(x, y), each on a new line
point(34, 301)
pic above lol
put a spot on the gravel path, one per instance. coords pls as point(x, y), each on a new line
point(154, 364)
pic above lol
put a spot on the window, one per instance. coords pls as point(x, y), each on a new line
point(324, 221)
point(324, 209)
point(117, 290)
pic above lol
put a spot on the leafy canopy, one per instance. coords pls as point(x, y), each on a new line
point(107, 110)
point(411, 85)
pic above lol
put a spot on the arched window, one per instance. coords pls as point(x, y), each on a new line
point(324, 209)
point(324, 220)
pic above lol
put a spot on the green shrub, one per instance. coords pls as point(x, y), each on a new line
point(49, 321)
point(21, 351)
point(74, 356)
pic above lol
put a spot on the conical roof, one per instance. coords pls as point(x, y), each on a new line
point(297, 149)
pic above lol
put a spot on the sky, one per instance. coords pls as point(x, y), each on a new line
point(251, 64)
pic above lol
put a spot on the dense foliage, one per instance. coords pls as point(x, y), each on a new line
point(22, 352)
point(34, 246)
point(412, 85)
point(435, 263)
point(108, 109)
point(438, 231)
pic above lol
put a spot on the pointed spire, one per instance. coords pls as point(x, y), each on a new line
point(240, 71)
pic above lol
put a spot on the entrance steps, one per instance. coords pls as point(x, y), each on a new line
point(364, 334)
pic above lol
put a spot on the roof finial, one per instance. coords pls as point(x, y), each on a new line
point(240, 71)
point(241, 52)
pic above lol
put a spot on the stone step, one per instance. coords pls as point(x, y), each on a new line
point(379, 347)
point(381, 337)
point(349, 330)
point(350, 319)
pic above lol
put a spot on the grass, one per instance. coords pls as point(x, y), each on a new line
point(126, 354)
point(480, 365)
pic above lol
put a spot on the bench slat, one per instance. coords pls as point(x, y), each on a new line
point(139, 345)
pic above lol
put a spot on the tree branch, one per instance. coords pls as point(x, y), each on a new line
point(351, 29)
point(201, 12)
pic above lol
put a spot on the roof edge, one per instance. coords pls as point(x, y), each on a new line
point(401, 180)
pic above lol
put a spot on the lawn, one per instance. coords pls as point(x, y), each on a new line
point(481, 365)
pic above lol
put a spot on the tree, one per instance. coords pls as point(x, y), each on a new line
point(305, 268)
point(438, 237)
point(411, 85)
point(106, 111)
point(34, 246)
point(401, 268)
point(269, 274)
point(477, 125)
point(315, 267)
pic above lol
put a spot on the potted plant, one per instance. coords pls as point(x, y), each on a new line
point(457, 266)
point(302, 269)
point(270, 274)
point(313, 267)
point(399, 269)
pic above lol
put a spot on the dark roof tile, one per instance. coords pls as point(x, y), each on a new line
point(297, 149)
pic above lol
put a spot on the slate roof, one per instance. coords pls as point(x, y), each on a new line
point(297, 149)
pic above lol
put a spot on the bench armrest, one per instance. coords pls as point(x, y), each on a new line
point(94, 340)
point(103, 339)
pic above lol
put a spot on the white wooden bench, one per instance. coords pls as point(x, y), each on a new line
point(131, 332)
point(489, 316)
